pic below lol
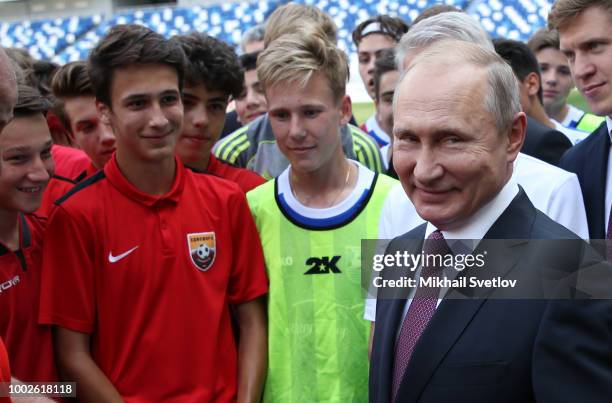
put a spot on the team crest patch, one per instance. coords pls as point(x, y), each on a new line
point(202, 249)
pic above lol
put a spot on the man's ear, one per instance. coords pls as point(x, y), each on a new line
point(104, 112)
point(532, 83)
point(516, 135)
point(346, 110)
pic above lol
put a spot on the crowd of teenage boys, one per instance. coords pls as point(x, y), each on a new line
point(155, 247)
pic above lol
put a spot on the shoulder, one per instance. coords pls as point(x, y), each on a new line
point(233, 143)
point(84, 192)
point(545, 227)
point(583, 149)
point(256, 196)
point(245, 178)
point(213, 184)
point(533, 173)
point(412, 237)
point(385, 185)
point(361, 138)
point(37, 226)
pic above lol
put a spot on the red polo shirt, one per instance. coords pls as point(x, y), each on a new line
point(151, 279)
point(246, 179)
point(29, 345)
point(5, 373)
point(56, 188)
point(69, 162)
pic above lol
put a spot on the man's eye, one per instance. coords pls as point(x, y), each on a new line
point(217, 107)
point(169, 100)
point(453, 140)
point(87, 128)
point(46, 154)
point(311, 113)
point(137, 104)
point(280, 115)
point(594, 46)
point(364, 59)
point(16, 159)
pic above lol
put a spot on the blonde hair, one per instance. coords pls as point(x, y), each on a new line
point(290, 17)
point(294, 58)
point(564, 11)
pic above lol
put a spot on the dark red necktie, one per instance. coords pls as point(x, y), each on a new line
point(421, 310)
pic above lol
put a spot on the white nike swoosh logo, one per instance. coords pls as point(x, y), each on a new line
point(114, 259)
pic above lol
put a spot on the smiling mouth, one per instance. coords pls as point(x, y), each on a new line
point(301, 149)
point(253, 116)
point(31, 189)
point(198, 139)
point(591, 88)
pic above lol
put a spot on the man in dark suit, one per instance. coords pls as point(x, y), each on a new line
point(585, 34)
point(458, 128)
point(542, 141)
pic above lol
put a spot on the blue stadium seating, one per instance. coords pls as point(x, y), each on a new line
point(69, 39)
point(512, 19)
point(47, 38)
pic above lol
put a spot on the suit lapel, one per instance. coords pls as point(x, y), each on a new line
point(595, 170)
point(456, 312)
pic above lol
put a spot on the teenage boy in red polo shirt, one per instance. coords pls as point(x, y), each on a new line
point(144, 258)
point(76, 109)
point(212, 75)
point(25, 169)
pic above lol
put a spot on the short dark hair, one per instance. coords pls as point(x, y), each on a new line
point(30, 102)
point(392, 27)
point(520, 58)
point(212, 62)
point(383, 64)
point(248, 61)
point(542, 39)
point(126, 45)
point(43, 72)
point(435, 10)
point(70, 80)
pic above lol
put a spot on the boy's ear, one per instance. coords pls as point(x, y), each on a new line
point(347, 109)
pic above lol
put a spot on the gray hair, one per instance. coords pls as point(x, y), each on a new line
point(9, 67)
point(253, 34)
point(456, 26)
point(501, 99)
